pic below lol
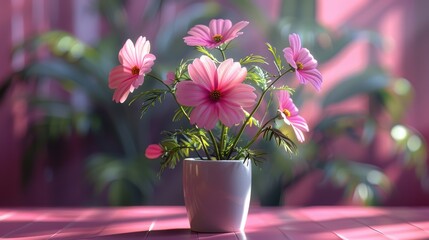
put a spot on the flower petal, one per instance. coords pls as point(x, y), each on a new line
point(286, 102)
point(142, 49)
point(242, 95)
point(295, 42)
point(313, 76)
point(304, 56)
point(299, 124)
point(117, 75)
point(219, 26)
point(230, 74)
point(147, 63)
point(233, 32)
point(127, 56)
point(290, 57)
point(205, 116)
point(199, 36)
point(202, 71)
point(121, 93)
point(190, 94)
point(230, 114)
point(170, 78)
point(298, 133)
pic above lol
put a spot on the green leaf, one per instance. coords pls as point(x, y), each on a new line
point(204, 51)
point(180, 113)
point(252, 121)
point(270, 133)
point(181, 70)
point(253, 59)
point(179, 144)
point(67, 73)
point(149, 99)
point(256, 156)
point(277, 58)
point(371, 80)
point(258, 76)
point(284, 88)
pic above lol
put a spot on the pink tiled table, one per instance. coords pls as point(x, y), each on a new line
point(171, 223)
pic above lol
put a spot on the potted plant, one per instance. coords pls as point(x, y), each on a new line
point(219, 97)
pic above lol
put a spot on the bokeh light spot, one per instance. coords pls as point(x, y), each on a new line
point(414, 143)
point(399, 132)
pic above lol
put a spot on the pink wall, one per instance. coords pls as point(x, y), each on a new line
point(404, 27)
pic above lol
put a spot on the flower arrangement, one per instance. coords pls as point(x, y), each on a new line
point(219, 96)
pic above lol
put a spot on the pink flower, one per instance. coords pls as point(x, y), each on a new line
point(135, 61)
point(170, 78)
point(218, 32)
point(289, 113)
point(303, 62)
point(215, 93)
point(154, 151)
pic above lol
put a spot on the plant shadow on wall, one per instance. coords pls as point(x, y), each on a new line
point(116, 165)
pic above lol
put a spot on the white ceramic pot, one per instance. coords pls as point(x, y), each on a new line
point(217, 194)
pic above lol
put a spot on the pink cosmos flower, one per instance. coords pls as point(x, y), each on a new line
point(218, 32)
point(135, 61)
point(154, 151)
point(170, 78)
point(215, 93)
point(303, 62)
point(289, 113)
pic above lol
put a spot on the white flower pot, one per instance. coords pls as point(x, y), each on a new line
point(217, 194)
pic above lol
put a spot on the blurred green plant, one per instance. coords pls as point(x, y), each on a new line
point(386, 101)
point(116, 166)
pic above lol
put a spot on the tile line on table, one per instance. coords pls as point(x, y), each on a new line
point(73, 222)
point(40, 217)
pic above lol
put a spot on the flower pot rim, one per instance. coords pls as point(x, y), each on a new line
point(214, 161)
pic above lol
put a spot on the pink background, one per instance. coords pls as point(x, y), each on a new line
point(403, 24)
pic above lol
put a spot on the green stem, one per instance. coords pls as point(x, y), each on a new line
point(183, 111)
point(234, 144)
point(260, 131)
point(223, 136)
point(216, 148)
point(222, 51)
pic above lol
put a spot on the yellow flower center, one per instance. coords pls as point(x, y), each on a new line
point(299, 65)
point(286, 112)
point(135, 70)
point(215, 95)
point(217, 38)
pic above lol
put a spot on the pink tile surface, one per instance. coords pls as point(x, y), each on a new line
point(171, 223)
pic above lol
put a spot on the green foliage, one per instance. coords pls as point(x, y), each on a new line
point(371, 80)
point(256, 156)
point(258, 76)
point(182, 112)
point(253, 59)
point(204, 51)
point(285, 88)
point(125, 182)
point(252, 121)
point(182, 69)
point(270, 133)
point(179, 143)
point(364, 182)
point(277, 59)
point(149, 98)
